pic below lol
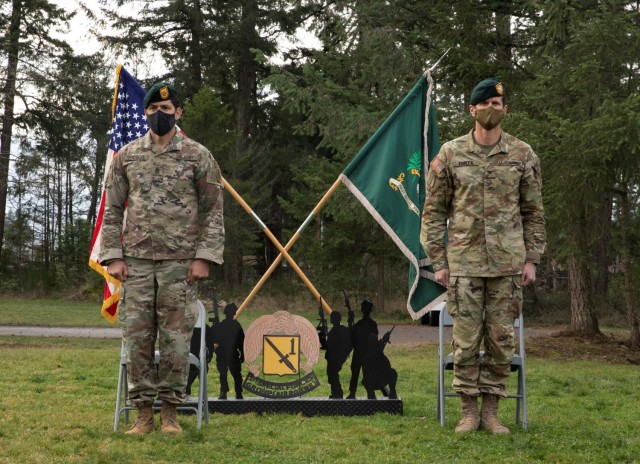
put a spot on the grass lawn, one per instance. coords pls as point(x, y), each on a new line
point(72, 313)
point(58, 398)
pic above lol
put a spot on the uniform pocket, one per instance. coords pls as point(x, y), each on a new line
point(182, 174)
point(139, 182)
point(452, 296)
point(122, 309)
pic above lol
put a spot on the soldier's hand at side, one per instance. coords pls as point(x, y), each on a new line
point(199, 269)
point(528, 274)
point(442, 277)
point(118, 269)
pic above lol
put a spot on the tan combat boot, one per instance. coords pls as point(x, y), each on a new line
point(489, 415)
point(169, 419)
point(144, 422)
point(470, 416)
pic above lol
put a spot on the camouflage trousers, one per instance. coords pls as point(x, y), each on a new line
point(484, 310)
point(157, 303)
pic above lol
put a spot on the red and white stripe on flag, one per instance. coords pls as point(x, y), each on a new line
point(128, 124)
point(111, 294)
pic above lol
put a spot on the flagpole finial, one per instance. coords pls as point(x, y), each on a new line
point(428, 71)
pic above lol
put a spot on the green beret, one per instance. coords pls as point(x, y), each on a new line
point(160, 91)
point(486, 89)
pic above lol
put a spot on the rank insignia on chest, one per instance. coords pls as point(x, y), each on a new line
point(437, 165)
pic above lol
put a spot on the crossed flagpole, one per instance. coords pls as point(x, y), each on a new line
point(283, 250)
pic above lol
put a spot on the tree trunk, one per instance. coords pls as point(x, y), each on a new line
point(9, 92)
point(246, 73)
point(504, 44)
point(69, 193)
point(583, 318)
point(59, 202)
point(96, 184)
point(602, 224)
point(627, 269)
point(195, 58)
point(20, 215)
point(46, 220)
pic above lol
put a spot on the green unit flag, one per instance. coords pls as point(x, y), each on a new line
point(388, 177)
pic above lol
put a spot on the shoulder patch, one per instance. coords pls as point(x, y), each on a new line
point(214, 176)
point(437, 165)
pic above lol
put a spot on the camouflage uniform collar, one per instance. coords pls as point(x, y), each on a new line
point(174, 145)
point(176, 141)
point(501, 147)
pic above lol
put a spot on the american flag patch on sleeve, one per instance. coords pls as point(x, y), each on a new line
point(437, 165)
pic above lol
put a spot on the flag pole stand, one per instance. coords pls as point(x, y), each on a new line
point(307, 406)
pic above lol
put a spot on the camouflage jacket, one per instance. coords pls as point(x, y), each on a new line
point(490, 207)
point(173, 199)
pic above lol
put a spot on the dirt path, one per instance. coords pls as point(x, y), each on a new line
point(544, 342)
point(427, 334)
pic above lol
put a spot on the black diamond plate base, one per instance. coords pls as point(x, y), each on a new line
point(307, 406)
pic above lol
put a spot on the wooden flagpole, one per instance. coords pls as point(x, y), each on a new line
point(283, 250)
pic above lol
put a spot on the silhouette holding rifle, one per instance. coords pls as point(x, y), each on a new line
point(360, 339)
point(338, 348)
point(322, 328)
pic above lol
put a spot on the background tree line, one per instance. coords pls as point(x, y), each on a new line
point(284, 120)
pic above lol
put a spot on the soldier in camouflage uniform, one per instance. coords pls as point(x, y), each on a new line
point(484, 192)
point(171, 188)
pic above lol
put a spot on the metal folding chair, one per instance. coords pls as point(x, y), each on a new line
point(124, 405)
point(446, 363)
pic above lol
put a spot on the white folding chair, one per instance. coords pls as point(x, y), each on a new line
point(123, 405)
point(446, 363)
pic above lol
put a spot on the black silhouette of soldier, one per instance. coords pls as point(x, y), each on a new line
point(360, 336)
point(228, 339)
point(194, 372)
point(338, 348)
point(377, 372)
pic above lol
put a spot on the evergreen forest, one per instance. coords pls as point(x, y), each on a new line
point(284, 93)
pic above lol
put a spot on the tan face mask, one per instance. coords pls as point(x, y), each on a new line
point(489, 117)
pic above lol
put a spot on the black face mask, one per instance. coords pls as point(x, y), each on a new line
point(161, 123)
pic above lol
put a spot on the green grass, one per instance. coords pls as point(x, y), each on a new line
point(50, 312)
point(72, 313)
point(59, 396)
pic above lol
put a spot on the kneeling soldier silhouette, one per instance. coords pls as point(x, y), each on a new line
point(377, 372)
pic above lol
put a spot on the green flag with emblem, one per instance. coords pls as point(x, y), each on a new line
point(388, 175)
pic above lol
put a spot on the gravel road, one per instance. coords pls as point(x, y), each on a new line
point(402, 334)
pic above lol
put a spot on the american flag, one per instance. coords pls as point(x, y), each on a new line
point(128, 124)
